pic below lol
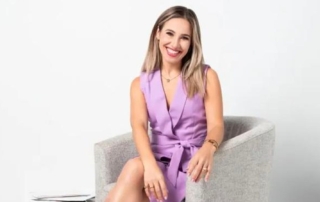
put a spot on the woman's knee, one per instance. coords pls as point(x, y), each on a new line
point(132, 171)
point(107, 199)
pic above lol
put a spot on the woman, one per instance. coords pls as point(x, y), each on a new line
point(181, 98)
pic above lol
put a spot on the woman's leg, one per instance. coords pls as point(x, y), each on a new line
point(129, 186)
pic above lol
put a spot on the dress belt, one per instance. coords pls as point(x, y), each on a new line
point(176, 157)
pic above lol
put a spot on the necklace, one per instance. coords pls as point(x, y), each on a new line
point(169, 79)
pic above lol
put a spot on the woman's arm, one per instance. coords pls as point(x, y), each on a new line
point(214, 108)
point(139, 123)
point(201, 163)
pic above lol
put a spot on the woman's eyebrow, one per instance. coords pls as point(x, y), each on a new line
point(174, 32)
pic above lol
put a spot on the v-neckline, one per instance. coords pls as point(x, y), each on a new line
point(168, 106)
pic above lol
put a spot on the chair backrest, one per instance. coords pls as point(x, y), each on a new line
point(237, 125)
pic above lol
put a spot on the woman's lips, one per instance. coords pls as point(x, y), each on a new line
point(172, 53)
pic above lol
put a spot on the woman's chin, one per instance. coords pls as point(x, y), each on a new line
point(172, 61)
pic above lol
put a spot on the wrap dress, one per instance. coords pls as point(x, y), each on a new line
point(177, 132)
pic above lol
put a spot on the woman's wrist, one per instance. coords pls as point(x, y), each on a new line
point(150, 162)
point(213, 143)
point(209, 146)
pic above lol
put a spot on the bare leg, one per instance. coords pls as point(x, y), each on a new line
point(129, 186)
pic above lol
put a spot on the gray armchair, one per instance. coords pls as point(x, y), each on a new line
point(241, 167)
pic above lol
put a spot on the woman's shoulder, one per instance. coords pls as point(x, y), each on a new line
point(135, 83)
point(147, 76)
point(205, 67)
point(211, 76)
point(208, 70)
point(141, 80)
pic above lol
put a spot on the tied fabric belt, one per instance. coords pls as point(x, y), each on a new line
point(179, 146)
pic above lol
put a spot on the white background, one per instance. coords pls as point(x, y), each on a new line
point(66, 69)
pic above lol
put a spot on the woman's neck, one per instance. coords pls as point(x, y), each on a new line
point(170, 70)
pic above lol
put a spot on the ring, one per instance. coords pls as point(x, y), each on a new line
point(148, 187)
point(205, 169)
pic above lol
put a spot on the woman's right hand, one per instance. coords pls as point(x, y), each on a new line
point(154, 183)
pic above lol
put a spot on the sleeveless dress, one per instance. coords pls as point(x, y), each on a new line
point(177, 133)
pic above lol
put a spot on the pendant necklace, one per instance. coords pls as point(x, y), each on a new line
point(169, 79)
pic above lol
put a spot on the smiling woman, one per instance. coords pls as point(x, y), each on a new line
point(180, 97)
point(174, 40)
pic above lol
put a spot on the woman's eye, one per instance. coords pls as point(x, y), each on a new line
point(169, 33)
point(185, 38)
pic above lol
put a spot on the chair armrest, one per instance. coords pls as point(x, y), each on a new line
point(241, 166)
point(110, 156)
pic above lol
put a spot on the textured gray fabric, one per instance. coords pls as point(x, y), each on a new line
point(241, 168)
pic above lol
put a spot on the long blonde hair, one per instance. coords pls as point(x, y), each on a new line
point(193, 61)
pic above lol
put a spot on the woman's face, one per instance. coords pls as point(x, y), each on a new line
point(174, 40)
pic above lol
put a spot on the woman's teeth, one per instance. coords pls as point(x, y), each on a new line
point(172, 52)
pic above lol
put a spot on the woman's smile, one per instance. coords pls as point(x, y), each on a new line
point(172, 52)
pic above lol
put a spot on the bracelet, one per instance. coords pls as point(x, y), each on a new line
point(213, 142)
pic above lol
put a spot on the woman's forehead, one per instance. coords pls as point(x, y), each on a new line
point(178, 25)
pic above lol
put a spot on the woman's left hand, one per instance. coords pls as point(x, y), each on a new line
point(201, 163)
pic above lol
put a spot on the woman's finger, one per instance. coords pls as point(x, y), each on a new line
point(203, 172)
point(190, 168)
point(157, 191)
point(164, 189)
point(152, 190)
point(209, 171)
point(197, 170)
point(147, 191)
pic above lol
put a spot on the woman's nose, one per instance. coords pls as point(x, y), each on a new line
point(175, 43)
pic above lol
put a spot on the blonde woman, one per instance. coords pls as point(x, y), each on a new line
point(180, 97)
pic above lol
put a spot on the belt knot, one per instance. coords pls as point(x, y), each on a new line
point(185, 143)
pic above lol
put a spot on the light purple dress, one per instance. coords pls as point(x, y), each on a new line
point(177, 133)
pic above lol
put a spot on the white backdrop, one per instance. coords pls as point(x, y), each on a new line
point(66, 69)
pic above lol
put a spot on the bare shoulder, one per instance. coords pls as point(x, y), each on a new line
point(135, 84)
point(212, 78)
point(138, 109)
